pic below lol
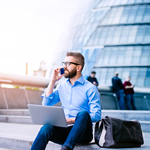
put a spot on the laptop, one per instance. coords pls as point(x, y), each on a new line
point(52, 115)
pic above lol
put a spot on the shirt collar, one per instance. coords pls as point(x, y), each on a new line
point(115, 77)
point(81, 80)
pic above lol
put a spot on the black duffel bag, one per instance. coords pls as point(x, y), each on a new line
point(116, 133)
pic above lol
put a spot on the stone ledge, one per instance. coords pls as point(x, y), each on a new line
point(18, 144)
point(19, 112)
point(15, 119)
point(21, 136)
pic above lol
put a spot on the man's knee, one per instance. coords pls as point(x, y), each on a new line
point(83, 114)
point(46, 129)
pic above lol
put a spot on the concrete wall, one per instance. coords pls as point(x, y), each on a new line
point(109, 101)
point(3, 104)
point(34, 96)
point(18, 98)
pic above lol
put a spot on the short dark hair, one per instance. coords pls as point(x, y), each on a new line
point(93, 72)
point(78, 56)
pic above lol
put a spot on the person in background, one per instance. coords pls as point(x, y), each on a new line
point(118, 88)
point(129, 92)
point(92, 78)
point(80, 101)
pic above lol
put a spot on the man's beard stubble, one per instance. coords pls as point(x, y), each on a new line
point(70, 74)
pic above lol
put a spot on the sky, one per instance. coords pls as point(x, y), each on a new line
point(30, 30)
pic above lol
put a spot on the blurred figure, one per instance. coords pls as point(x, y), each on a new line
point(129, 92)
point(118, 89)
point(92, 78)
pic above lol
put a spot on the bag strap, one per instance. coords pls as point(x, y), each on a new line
point(102, 137)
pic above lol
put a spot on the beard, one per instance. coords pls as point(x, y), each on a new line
point(70, 74)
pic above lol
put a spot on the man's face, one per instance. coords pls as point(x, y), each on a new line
point(70, 71)
point(92, 75)
point(128, 79)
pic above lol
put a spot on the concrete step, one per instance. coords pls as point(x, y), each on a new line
point(142, 116)
point(27, 120)
point(15, 119)
point(4, 148)
point(145, 125)
point(18, 112)
point(20, 137)
point(122, 114)
point(127, 114)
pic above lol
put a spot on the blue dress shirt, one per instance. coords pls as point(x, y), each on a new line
point(83, 95)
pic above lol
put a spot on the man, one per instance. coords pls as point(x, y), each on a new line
point(129, 92)
point(92, 78)
point(81, 103)
point(118, 88)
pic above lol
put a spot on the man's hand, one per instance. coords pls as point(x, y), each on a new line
point(56, 76)
point(70, 120)
point(94, 83)
point(129, 87)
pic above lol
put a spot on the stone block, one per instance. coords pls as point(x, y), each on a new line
point(2, 100)
point(34, 96)
point(108, 101)
point(16, 98)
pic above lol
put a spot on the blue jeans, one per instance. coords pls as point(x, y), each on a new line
point(81, 132)
point(130, 102)
point(120, 97)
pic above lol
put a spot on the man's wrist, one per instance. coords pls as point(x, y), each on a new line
point(73, 120)
point(53, 80)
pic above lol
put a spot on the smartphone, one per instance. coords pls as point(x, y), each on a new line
point(61, 71)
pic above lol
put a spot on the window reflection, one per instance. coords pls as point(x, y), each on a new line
point(120, 35)
point(132, 34)
point(135, 55)
point(106, 3)
point(117, 35)
point(132, 12)
point(147, 35)
point(124, 16)
point(140, 14)
point(127, 15)
point(140, 34)
point(146, 17)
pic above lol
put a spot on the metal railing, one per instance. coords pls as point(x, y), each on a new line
point(23, 80)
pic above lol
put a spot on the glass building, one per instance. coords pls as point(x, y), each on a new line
point(113, 35)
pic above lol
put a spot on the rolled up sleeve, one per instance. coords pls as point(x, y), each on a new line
point(94, 104)
point(50, 100)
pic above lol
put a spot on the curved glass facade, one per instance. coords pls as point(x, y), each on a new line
point(124, 56)
point(127, 15)
point(113, 35)
point(108, 3)
point(119, 35)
